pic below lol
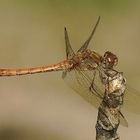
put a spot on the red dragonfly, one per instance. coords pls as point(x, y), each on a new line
point(80, 69)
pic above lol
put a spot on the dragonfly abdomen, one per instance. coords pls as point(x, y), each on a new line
point(13, 72)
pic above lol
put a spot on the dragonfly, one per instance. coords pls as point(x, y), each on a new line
point(81, 71)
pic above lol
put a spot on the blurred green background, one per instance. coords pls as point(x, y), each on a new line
point(42, 106)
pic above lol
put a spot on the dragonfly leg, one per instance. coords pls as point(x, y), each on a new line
point(92, 83)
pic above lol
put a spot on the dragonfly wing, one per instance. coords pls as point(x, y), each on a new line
point(69, 50)
point(132, 100)
point(123, 120)
point(85, 45)
point(64, 74)
point(80, 80)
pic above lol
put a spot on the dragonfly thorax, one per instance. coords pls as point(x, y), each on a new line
point(79, 58)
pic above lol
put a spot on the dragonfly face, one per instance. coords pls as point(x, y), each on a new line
point(109, 60)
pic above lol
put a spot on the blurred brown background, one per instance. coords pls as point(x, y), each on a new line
point(42, 106)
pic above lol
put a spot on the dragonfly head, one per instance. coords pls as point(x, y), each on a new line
point(109, 60)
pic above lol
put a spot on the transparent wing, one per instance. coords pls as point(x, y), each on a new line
point(131, 96)
point(81, 81)
point(123, 120)
point(132, 100)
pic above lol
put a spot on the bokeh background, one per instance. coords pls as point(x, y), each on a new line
point(42, 106)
